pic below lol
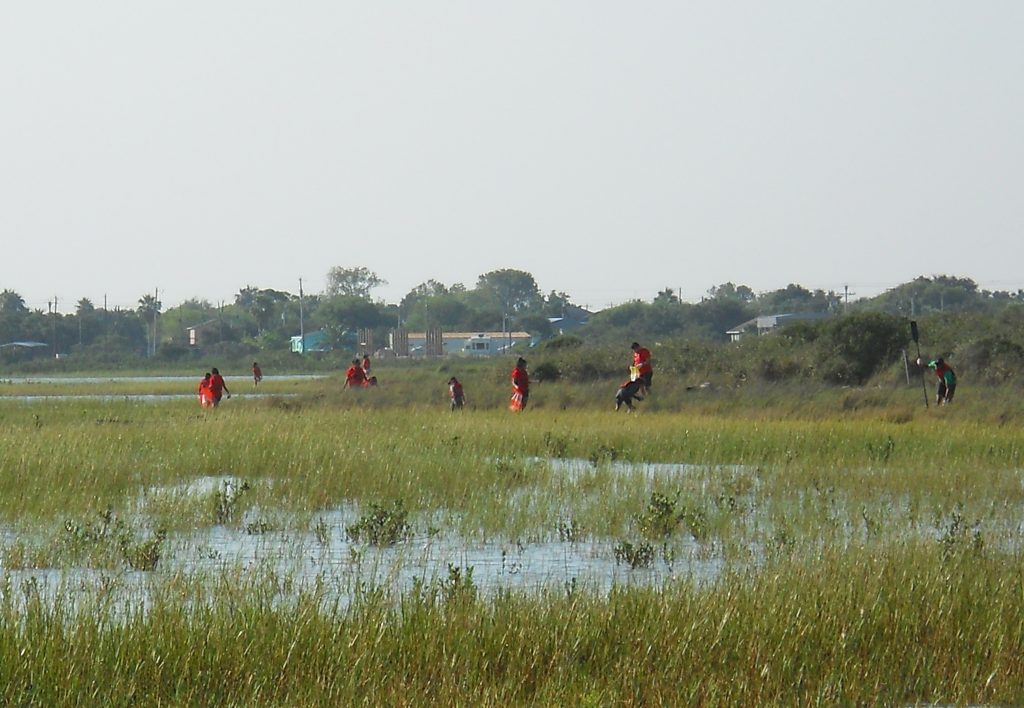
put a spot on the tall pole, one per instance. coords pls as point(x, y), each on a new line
point(54, 326)
point(915, 335)
point(156, 307)
point(302, 325)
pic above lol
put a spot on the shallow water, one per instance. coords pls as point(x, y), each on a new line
point(329, 558)
point(266, 541)
point(142, 397)
point(142, 379)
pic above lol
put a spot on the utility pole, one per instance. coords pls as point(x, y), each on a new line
point(302, 324)
point(156, 308)
point(54, 326)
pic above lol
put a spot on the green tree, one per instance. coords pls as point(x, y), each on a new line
point(730, 291)
point(149, 310)
point(796, 298)
point(556, 304)
point(352, 282)
point(666, 297)
point(509, 290)
point(344, 315)
point(11, 302)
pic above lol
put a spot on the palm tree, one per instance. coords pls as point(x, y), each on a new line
point(11, 301)
point(149, 309)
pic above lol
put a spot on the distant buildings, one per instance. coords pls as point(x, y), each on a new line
point(765, 324)
point(437, 343)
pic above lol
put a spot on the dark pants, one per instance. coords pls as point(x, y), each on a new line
point(944, 391)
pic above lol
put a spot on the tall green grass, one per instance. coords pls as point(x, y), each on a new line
point(869, 552)
point(901, 624)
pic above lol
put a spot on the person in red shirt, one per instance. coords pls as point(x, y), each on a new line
point(456, 394)
point(366, 365)
point(520, 386)
point(205, 397)
point(355, 377)
point(257, 374)
point(217, 387)
point(642, 362)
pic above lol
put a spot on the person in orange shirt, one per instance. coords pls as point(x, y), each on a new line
point(217, 387)
point(257, 374)
point(366, 365)
point(355, 377)
point(520, 386)
point(642, 362)
point(205, 397)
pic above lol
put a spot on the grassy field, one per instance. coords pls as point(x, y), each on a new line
point(865, 549)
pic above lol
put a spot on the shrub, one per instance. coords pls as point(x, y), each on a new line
point(853, 348)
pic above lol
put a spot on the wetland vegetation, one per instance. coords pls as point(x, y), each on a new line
point(760, 545)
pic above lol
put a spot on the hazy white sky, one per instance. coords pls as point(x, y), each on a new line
point(612, 149)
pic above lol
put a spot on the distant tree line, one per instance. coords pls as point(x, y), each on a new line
point(260, 321)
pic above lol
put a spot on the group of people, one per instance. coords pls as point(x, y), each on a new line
point(212, 389)
point(638, 385)
point(358, 374)
point(641, 376)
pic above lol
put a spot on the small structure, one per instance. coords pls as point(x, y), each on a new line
point(196, 333)
point(565, 325)
point(318, 341)
point(765, 324)
point(458, 343)
point(24, 345)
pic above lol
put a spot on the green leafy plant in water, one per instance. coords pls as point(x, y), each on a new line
point(661, 516)
point(569, 530)
point(258, 527)
point(603, 453)
point(459, 585)
point(322, 533)
point(639, 555)
point(226, 500)
point(383, 526)
point(111, 539)
point(141, 554)
point(696, 523)
point(960, 536)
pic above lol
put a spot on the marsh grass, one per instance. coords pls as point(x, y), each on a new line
point(866, 552)
point(905, 624)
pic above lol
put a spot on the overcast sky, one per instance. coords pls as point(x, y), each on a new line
point(611, 149)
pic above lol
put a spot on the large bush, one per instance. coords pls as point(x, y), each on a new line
point(994, 359)
point(853, 348)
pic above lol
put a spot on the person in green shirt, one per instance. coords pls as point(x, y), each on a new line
point(947, 380)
